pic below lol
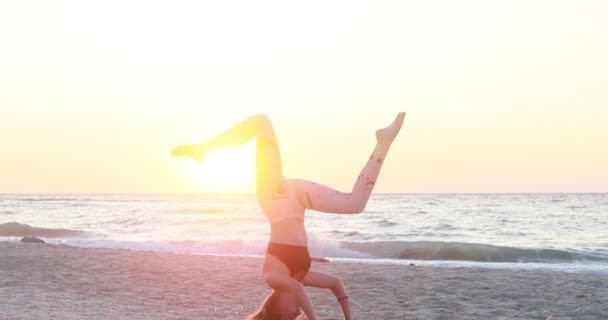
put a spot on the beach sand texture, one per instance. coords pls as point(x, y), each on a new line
point(42, 281)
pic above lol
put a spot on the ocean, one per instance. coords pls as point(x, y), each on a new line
point(552, 232)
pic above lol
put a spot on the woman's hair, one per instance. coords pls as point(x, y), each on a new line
point(269, 311)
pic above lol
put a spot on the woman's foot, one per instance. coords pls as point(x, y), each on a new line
point(385, 136)
point(194, 151)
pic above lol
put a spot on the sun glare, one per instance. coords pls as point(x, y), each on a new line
point(228, 171)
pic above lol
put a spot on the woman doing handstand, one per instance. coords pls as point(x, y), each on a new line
point(283, 201)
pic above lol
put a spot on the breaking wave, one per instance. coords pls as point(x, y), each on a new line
point(434, 250)
point(15, 229)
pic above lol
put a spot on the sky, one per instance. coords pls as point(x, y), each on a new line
point(501, 96)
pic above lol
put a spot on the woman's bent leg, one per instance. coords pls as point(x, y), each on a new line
point(322, 198)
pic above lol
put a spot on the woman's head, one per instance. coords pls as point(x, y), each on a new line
point(279, 305)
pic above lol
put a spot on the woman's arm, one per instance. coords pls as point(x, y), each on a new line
point(326, 281)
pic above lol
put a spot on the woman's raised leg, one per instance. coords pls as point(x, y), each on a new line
point(322, 198)
point(269, 176)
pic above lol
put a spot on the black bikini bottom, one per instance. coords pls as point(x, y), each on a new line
point(295, 258)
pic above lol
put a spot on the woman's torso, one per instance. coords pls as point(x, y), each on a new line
point(286, 217)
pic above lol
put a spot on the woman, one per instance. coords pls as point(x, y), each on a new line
point(283, 201)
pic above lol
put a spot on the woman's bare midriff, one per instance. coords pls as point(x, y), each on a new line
point(289, 231)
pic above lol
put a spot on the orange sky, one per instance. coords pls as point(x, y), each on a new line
point(501, 96)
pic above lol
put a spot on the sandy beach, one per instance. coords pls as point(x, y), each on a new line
point(42, 281)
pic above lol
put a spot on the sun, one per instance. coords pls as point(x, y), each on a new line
point(228, 171)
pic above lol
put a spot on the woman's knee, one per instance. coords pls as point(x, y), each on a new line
point(262, 120)
point(358, 207)
point(264, 126)
point(354, 205)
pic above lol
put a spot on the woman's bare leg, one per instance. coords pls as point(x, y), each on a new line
point(322, 198)
point(269, 175)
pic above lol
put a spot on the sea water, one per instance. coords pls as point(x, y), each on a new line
point(555, 231)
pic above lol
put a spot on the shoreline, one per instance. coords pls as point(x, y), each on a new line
point(46, 281)
point(581, 266)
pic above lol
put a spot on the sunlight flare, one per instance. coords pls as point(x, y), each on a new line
point(228, 171)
